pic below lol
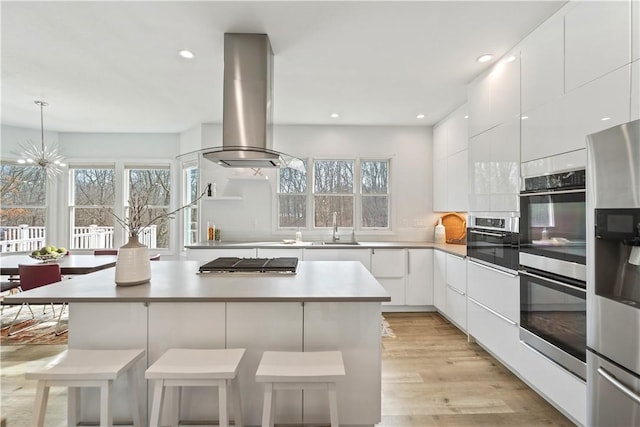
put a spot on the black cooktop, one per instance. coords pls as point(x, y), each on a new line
point(251, 265)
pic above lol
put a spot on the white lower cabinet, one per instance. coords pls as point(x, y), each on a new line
point(389, 266)
point(564, 390)
point(362, 255)
point(277, 253)
point(206, 255)
point(496, 289)
point(497, 333)
point(439, 279)
point(419, 283)
point(456, 291)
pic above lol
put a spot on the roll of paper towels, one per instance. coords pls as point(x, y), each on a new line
point(440, 235)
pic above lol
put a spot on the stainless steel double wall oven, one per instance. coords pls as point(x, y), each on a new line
point(553, 302)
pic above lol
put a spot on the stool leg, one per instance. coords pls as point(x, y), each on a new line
point(333, 404)
point(42, 395)
point(106, 404)
point(222, 403)
point(237, 403)
point(136, 412)
point(156, 406)
point(174, 397)
point(268, 407)
point(73, 406)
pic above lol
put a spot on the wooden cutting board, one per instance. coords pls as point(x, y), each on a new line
point(455, 227)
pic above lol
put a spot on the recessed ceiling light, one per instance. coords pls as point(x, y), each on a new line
point(484, 58)
point(510, 59)
point(524, 117)
point(187, 54)
point(466, 117)
point(420, 116)
point(335, 115)
point(604, 119)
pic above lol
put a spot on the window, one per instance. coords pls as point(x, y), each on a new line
point(153, 185)
point(333, 192)
point(92, 191)
point(190, 179)
point(375, 193)
point(292, 197)
point(22, 208)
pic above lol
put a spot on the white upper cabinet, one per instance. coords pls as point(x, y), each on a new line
point(457, 128)
point(635, 90)
point(450, 144)
point(494, 169)
point(635, 30)
point(597, 40)
point(494, 97)
point(479, 104)
point(457, 182)
point(563, 124)
point(543, 64)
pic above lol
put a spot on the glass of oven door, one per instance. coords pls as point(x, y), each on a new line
point(553, 225)
point(553, 313)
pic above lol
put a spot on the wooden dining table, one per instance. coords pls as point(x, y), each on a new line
point(70, 264)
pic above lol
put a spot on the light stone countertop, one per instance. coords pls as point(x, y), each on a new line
point(178, 281)
point(459, 250)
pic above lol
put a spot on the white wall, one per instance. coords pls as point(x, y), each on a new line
point(254, 217)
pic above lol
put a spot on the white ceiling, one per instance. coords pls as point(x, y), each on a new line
point(113, 66)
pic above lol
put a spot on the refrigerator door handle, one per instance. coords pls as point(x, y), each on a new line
point(617, 384)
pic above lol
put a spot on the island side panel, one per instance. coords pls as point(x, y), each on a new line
point(194, 325)
point(355, 329)
point(111, 325)
point(258, 327)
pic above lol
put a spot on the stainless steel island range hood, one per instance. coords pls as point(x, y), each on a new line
point(247, 105)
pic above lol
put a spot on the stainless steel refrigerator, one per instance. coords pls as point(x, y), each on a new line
point(613, 277)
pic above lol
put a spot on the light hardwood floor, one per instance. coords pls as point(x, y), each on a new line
point(431, 376)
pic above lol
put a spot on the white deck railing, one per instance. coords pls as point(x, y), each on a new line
point(23, 238)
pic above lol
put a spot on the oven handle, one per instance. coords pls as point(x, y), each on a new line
point(617, 384)
point(486, 233)
point(566, 285)
point(492, 269)
point(547, 193)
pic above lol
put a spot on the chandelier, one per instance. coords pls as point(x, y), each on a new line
point(47, 158)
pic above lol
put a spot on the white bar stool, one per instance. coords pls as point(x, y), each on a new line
point(197, 368)
point(77, 368)
point(281, 370)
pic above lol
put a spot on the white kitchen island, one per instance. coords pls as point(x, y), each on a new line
point(325, 306)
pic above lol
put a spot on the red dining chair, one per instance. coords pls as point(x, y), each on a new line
point(105, 252)
point(35, 276)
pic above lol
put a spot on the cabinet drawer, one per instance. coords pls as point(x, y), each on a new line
point(498, 290)
point(456, 303)
point(276, 253)
point(497, 333)
point(457, 273)
point(388, 262)
point(211, 254)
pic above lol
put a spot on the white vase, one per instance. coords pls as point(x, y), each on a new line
point(133, 266)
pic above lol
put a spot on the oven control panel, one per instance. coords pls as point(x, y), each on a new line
point(557, 181)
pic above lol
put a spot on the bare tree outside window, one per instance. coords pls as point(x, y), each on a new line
point(93, 199)
point(155, 185)
point(22, 205)
point(292, 197)
point(375, 193)
point(333, 189)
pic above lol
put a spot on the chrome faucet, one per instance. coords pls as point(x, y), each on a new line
point(335, 236)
